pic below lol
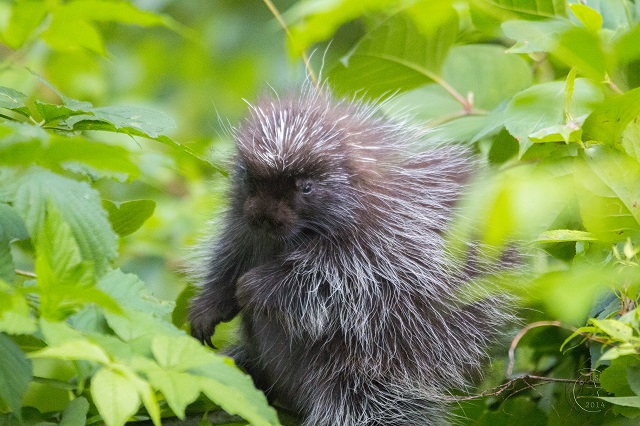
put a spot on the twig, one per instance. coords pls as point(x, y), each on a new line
point(521, 333)
point(503, 387)
point(283, 24)
point(26, 273)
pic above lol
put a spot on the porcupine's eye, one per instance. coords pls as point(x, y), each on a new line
point(306, 187)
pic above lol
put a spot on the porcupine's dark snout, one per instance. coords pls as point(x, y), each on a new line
point(270, 215)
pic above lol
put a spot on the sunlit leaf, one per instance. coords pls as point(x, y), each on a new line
point(568, 294)
point(541, 106)
point(589, 17)
point(15, 315)
point(609, 119)
point(115, 396)
point(627, 401)
point(626, 46)
point(25, 17)
point(615, 13)
point(609, 191)
point(317, 21)
point(236, 395)
point(73, 350)
point(64, 33)
point(615, 329)
point(547, 8)
point(583, 49)
point(562, 235)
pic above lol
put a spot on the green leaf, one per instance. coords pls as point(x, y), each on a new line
point(13, 100)
point(25, 17)
point(58, 257)
point(317, 21)
point(582, 49)
point(633, 378)
point(396, 56)
point(627, 401)
point(11, 227)
point(74, 350)
point(15, 315)
point(104, 10)
point(53, 112)
point(128, 217)
point(541, 106)
point(614, 378)
point(115, 396)
point(487, 72)
point(535, 36)
point(58, 332)
point(568, 294)
point(64, 279)
point(616, 330)
point(236, 394)
point(181, 353)
point(547, 8)
point(590, 18)
point(178, 388)
point(148, 122)
point(558, 133)
point(626, 47)
point(615, 13)
point(15, 374)
point(185, 368)
point(75, 413)
point(69, 103)
point(608, 121)
point(631, 139)
point(563, 235)
point(76, 154)
point(617, 352)
point(64, 34)
point(132, 293)
point(80, 207)
point(609, 189)
point(139, 328)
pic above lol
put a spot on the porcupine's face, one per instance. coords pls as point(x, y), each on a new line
point(290, 174)
point(278, 205)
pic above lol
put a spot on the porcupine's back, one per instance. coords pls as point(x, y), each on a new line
point(374, 290)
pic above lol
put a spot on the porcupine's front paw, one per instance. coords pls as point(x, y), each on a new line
point(205, 314)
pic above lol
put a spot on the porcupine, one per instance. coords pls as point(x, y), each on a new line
point(333, 250)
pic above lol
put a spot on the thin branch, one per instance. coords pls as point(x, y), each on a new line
point(454, 116)
point(521, 333)
point(613, 86)
point(305, 58)
point(524, 379)
point(26, 273)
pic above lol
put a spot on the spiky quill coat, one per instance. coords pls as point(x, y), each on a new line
point(333, 250)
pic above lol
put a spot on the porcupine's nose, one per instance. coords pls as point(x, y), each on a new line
point(269, 215)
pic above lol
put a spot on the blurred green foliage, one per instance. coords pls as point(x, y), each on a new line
point(102, 194)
